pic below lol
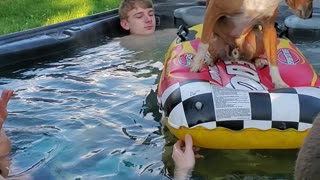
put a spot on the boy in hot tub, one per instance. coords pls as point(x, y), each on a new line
point(137, 16)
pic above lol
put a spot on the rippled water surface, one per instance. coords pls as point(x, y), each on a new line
point(95, 116)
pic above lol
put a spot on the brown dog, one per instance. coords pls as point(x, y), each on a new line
point(248, 49)
point(234, 20)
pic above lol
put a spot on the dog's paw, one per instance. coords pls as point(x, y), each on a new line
point(195, 66)
point(209, 61)
point(260, 63)
point(197, 63)
point(276, 78)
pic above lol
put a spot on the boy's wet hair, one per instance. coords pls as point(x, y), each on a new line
point(128, 5)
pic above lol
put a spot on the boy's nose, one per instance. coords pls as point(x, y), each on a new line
point(148, 18)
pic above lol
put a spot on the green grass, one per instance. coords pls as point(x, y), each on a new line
point(18, 15)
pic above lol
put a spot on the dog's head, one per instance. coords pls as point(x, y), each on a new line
point(301, 8)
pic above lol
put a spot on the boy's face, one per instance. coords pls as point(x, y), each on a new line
point(140, 21)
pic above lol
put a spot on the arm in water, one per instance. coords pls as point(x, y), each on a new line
point(184, 158)
point(4, 141)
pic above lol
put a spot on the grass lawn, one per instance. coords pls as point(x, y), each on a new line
point(18, 15)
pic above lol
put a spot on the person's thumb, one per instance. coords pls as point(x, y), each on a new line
point(188, 142)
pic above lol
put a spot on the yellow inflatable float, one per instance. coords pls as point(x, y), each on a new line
point(233, 105)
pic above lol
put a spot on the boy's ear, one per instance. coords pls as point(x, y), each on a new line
point(124, 24)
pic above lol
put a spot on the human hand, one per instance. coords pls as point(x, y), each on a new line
point(183, 157)
point(5, 97)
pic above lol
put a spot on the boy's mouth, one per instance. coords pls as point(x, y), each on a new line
point(148, 27)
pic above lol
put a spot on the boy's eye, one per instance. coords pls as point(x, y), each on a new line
point(138, 15)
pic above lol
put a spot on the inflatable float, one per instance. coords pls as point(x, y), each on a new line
point(233, 105)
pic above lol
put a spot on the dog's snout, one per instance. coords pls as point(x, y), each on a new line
point(305, 11)
point(310, 15)
point(305, 14)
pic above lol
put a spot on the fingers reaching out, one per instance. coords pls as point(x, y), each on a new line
point(6, 95)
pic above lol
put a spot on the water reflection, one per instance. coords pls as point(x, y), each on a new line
point(311, 52)
point(89, 116)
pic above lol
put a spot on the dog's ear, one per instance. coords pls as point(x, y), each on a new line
point(124, 24)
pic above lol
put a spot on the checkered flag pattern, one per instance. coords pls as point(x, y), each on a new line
point(199, 103)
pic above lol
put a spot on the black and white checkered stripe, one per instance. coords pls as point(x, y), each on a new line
point(199, 103)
